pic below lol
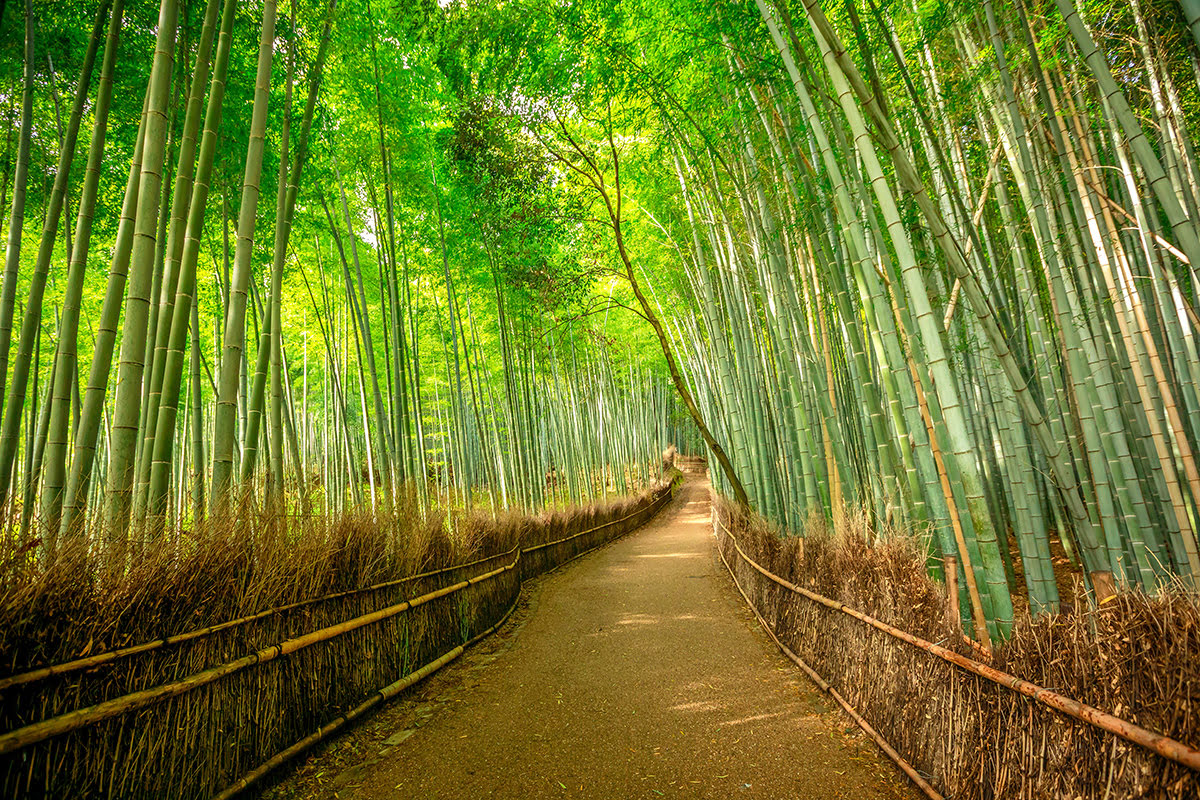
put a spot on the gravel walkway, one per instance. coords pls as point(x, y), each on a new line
point(635, 672)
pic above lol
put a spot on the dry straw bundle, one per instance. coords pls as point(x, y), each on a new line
point(1137, 657)
point(230, 592)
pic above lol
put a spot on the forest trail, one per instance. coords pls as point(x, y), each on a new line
point(635, 672)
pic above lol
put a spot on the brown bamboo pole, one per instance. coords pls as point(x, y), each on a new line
point(975, 217)
point(836, 500)
point(386, 693)
point(960, 540)
point(65, 723)
point(1165, 746)
point(950, 570)
point(1113, 205)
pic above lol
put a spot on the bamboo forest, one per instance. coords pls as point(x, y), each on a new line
point(330, 332)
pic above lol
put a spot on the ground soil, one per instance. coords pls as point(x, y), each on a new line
point(634, 672)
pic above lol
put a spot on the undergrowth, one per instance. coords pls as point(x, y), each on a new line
point(1136, 656)
point(239, 586)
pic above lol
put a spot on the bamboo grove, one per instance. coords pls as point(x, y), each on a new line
point(943, 263)
point(928, 262)
point(263, 285)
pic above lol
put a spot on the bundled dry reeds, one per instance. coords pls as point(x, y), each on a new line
point(231, 591)
point(1136, 656)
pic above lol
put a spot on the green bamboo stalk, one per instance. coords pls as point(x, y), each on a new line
point(12, 253)
point(235, 315)
point(66, 375)
point(137, 306)
point(180, 316)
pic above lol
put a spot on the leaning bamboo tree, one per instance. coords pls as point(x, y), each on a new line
point(610, 194)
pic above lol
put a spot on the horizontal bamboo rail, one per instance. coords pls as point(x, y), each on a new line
point(824, 686)
point(386, 693)
point(1166, 747)
point(64, 723)
point(389, 691)
point(610, 523)
point(99, 659)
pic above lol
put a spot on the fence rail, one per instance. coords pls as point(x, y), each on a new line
point(28, 735)
point(1164, 746)
point(99, 659)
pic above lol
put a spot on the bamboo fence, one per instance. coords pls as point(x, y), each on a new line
point(211, 711)
point(968, 728)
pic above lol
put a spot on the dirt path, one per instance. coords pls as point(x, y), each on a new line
point(635, 672)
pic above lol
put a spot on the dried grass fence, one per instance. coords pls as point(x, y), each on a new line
point(1136, 658)
point(205, 667)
